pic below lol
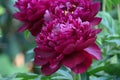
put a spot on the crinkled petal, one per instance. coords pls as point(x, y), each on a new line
point(37, 15)
point(47, 70)
point(94, 50)
point(73, 59)
point(40, 61)
point(36, 28)
point(81, 45)
point(82, 67)
point(20, 16)
point(23, 27)
point(97, 31)
point(69, 49)
point(95, 7)
point(63, 45)
point(95, 21)
point(44, 53)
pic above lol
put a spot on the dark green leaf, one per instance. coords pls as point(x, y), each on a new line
point(112, 69)
point(85, 76)
point(26, 34)
point(27, 76)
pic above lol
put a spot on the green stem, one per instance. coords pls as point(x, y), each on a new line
point(73, 76)
point(104, 5)
point(119, 12)
point(79, 77)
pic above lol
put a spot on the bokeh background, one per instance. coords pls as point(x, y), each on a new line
point(16, 49)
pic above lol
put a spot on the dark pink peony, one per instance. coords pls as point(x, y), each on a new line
point(35, 13)
point(85, 9)
point(31, 13)
point(69, 42)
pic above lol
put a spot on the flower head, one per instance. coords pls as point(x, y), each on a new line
point(85, 9)
point(31, 13)
point(70, 43)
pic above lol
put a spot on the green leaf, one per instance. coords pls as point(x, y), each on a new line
point(2, 10)
point(107, 22)
point(60, 77)
point(26, 34)
point(63, 75)
point(29, 55)
point(117, 27)
point(95, 70)
point(102, 78)
point(26, 76)
point(111, 3)
point(117, 41)
point(112, 69)
point(85, 76)
point(46, 77)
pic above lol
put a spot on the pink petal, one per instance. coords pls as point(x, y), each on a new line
point(69, 49)
point(81, 45)
point(40, 61)
point(37, 15)
point(20, 16)
point(73, 60)
point(63, 45)
point(23, 27)
point(82, 67)
point(94, 50)
point(95, 7)
point(44, 53)
point(47, 70)
point(97, 31)
point(95, 21)
point(36, 28)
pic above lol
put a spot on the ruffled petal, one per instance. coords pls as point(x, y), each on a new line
point(63, 45)
point(47, 70)
point(40, 61)
point(44, 53)
point(95, 7)
point(69, 49)
point(82, 67)
point(73, 59)
point(23, 27)
point(94, 50)
point(36, 27)
point(95, 21)
point(81, 45)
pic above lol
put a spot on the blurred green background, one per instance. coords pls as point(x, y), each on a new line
point(14, 46)
point(16, 49)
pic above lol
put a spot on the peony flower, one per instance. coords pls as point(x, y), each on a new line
point(69, 42)
point(31, 13)
point(85, 9)
point(35, 13)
